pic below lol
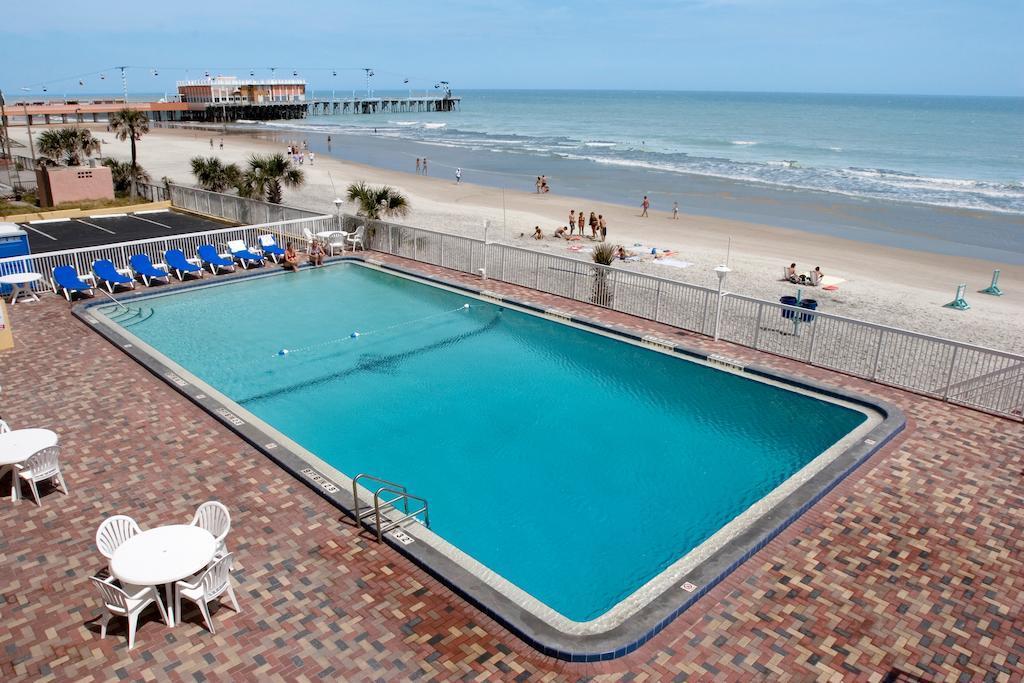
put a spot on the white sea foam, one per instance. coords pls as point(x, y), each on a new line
point(743, 142)
point(405, 123)
point(599, 143)
point(432, 126)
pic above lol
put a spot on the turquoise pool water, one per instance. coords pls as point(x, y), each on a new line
point(576, 466)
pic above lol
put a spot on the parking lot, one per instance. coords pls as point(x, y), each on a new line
point(74, 233)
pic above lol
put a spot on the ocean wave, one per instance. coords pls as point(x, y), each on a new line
point(405, 123)
point(599, 143)
point(434, 126)
point(743, 142)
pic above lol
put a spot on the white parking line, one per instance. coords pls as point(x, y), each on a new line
point(29, 227)
point(98, 227)
point(162, 225)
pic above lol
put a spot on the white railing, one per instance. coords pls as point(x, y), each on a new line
point(121, 252)
point(953, 371)
point(234, 208)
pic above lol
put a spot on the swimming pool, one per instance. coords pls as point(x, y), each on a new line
point(566, 469)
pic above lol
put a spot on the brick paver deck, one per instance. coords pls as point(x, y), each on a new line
point(913, 563)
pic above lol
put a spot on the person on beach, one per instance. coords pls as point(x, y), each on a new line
point(544, 184)
point(222, 143)
point(562, 233)
point(328, 139)
point(675, 211)
point(602, 227)
point(425, 171)
point(316, 253)
point(646, 204)
point(312, 157)
point(538, 184)
point(458, 176)
point(537, 234)
point(581, 221)
point(593, 225)
point(572, 221)
point(417, 165)
point(211, 139)
point(291, 258)
point(791, 273)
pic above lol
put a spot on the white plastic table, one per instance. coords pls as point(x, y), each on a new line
point(18, 446)
point(20, 285)
point(162, 556)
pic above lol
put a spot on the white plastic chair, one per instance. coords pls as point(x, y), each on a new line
point(113, 532)
point(44, 464)
point(207, 586)
point(336, 239)
point(4, 427)
point(214, 517)
point(306, 233)
point(119, 604)
point(356, 238)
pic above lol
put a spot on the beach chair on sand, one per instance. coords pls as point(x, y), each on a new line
point(211, 259)
point(182, 266)
point(111, 276)
point(145, 269)
point(270, 248)
point(67, 282)
point(243, 255)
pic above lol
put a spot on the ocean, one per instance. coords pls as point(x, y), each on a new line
point(932, 173)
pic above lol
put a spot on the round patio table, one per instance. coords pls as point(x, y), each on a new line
point(19, 445)
point(20, 285)
point(161, 556)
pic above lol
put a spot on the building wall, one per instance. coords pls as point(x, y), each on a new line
point(73, 184)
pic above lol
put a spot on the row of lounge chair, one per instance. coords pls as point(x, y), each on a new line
point(67, 281)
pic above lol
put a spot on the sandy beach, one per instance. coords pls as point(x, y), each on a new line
point(886, 285)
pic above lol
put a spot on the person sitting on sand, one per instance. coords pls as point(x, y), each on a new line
point(562, 233)
point(291, 258)
point(537, 234)
point(816, 276)
point(316, 253)
point(791, 272)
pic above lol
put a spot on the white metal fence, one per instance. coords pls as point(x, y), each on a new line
point(120, 253)
point(233, 207)
point(960, 373)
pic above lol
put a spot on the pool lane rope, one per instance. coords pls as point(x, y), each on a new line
point(357, 334)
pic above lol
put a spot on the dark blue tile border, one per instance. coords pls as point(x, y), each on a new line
point(651, 618)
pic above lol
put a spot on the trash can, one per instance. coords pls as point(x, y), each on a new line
point(788, 301)
point(810, 304)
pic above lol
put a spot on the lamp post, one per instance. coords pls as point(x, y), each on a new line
point(338, 201)
point(721, 271)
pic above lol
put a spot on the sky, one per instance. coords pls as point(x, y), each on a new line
point(952, 47)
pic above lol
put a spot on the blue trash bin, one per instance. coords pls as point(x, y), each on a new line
point(788, 301)
point(810, 304)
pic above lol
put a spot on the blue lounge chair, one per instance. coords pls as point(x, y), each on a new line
point(271, 249)
point(107, 274)
point(145, 269)
point(212, 260)
point(67, 282)
point(181, 266)
point(242, 254)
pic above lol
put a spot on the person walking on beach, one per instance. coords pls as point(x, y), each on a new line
point(222, 143)
point(593, 225)
point(425, 172)
point(572, 221)
point(417, 165)
point(312, 157)
point(581, 221)
point(602, 227)
point(211, 139)
point(645, 205)
point(675, 211)
point(458, 176)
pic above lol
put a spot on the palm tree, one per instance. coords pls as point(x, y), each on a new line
point(67, 145)
point(377, 202)
point(603, 255)
point(130, 124)
point(267, 175)
point(121, 173)
point(214, 175)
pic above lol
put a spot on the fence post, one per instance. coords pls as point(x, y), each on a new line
point(814, 333)
point(878, 355)
point(757, 328)
point(949, 375)
point(441, 260)
point(415, 246)
point(575, 279)
point(657, 302)
point(536, 270)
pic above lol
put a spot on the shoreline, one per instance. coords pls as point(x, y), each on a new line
point(881, 284)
